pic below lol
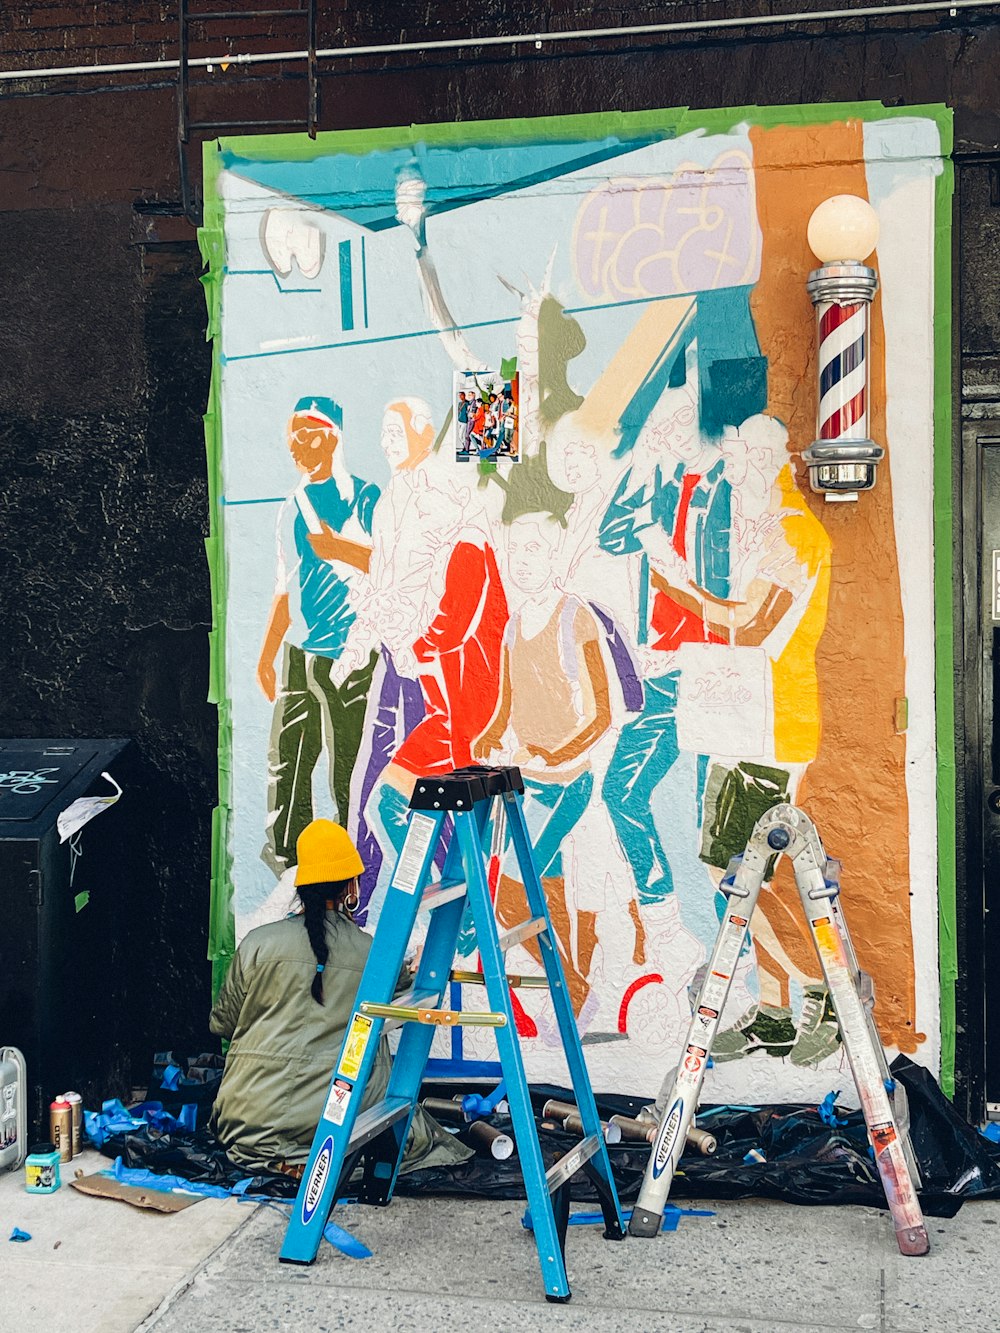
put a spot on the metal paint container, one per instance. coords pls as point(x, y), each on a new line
point(13, 1108)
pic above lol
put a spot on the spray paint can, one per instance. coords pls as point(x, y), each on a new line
point(441, 1109)
point(701, 1139)
point(76, 1106)
point(489, 1142)
point(634, 1131)
point(61, 1128)
point(556, 1110)
point(573, 1124)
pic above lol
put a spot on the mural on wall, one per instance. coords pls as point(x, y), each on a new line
point(508, 467)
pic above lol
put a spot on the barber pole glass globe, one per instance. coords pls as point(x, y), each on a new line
point(842, 460)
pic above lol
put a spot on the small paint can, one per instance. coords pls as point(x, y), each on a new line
point(41, 1169)
point(76, 1106)
point(61, 1128)
point(489, 1142)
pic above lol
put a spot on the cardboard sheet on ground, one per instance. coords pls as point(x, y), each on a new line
point(104, 1187)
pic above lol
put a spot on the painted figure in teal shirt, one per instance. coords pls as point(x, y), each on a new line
point(323, 550)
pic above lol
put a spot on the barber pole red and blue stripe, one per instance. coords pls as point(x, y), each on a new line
point(843, 372)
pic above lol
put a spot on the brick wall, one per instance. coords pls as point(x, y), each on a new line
point(37, 34)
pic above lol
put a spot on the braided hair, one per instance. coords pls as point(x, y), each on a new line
point(316, 899)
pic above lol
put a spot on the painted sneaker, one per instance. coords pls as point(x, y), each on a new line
point(733, 1043)
point(818, 1033)
point(762, 1028)
point(671, 948)
point(773, 1030)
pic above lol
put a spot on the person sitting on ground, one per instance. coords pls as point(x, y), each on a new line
point(285, 1007)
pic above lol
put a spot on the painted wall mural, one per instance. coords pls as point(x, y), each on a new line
point(505, 433)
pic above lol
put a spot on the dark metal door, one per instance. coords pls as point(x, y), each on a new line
point(982, 768)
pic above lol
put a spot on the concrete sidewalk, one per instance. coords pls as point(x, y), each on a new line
point(753, 1267)
point(97, 1265)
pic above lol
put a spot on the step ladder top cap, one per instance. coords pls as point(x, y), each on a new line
point(463, 787)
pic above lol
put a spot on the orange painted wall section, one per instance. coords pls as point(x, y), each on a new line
point(855, 789)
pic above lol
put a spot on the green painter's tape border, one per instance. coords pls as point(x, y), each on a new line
point(602, 124)
point(672, 122)
point(944, 611)
point(212, 241)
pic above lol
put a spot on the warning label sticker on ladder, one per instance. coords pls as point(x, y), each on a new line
point(355, 1046)
point(419, 833)
point(337, 1103)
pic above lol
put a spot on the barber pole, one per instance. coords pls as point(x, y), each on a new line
point(843, 371)
point(843, 458)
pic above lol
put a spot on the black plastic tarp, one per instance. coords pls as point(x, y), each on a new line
point(805, 1158)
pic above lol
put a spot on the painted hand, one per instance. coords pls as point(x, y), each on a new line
point(538, 752)
point(406, 663)
point(327, 544)
point(267, 680)
point(484, 747)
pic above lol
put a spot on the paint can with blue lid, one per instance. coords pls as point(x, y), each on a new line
point(41, 1169)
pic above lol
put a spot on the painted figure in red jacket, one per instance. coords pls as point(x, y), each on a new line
point(457, 648)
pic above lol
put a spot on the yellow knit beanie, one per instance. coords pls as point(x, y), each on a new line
point(326, 853)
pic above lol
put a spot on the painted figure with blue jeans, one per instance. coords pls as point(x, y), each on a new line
point(673, 508)
point(553, 707)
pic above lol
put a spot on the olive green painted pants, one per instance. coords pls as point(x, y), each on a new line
point(311, 714)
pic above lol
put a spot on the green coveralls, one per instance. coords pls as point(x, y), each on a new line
point(284, 1047)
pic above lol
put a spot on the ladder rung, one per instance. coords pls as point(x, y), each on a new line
point(410, 999)
point(470, 1018)
point(569, 1165)
point(378, 1117)
point(525, 931)
point(435, 896)
point(514, 982)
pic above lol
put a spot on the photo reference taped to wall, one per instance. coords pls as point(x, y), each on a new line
point(485, 415)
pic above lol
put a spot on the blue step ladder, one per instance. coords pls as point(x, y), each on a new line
point(463, 802)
